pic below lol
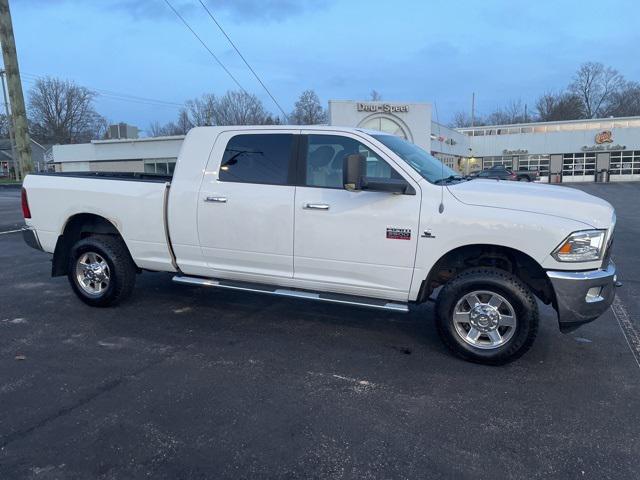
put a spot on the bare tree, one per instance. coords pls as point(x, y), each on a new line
point(461, 119)
point(626, 101)
point(183, 124)
point(4, 126)
point(180, 127)
point(273, 120)
point(308, 110)
point(62, 112)
point(559, 106)
point(156, 129)
point(240, 108)
point(596, 85)
point(375, 96)
point(513, 112)
point(199, 112)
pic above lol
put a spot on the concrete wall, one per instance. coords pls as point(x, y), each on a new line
point(119, 166)
point(449, 141)
point(73, 167)
point(109, 150)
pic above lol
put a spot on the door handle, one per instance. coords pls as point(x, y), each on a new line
point(216, 199)
point(316, 206)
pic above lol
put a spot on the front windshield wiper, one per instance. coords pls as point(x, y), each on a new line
point(449, 179)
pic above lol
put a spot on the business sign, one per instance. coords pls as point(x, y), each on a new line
point(382, 108)
point(515, 152)
point(605, 136)
point(603, 148)
point(442, 138)
point(604, 143)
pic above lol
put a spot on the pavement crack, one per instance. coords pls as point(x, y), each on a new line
point(86, 399)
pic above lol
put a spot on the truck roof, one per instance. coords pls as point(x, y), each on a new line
point(328, 128)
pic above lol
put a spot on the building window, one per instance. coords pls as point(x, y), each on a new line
point(534, 162)
point(506, 161)
point(578, 164)
point(449, 160)
point(625, 163)
point(164, 166)
point(386, 125)
point(545, 128)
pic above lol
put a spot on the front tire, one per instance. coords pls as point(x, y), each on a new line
point(487, 315)
point(101, 271)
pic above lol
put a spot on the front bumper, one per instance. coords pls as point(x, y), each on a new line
point(581, 297)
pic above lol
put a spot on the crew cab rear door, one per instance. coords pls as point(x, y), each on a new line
point(245, 213)
point(361, 243)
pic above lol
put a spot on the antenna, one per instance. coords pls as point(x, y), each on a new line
point(441, 206)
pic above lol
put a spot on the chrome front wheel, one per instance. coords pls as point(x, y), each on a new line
point(484, 319)
point(487, 315)
point(92, 273)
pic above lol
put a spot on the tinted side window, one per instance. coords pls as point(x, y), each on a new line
point(257, 158)
point(325, 156)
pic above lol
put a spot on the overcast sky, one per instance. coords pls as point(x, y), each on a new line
point(420, 50)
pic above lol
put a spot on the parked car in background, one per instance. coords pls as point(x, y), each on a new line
point(366, 218)
point(500, 172)
point(497, 172)
point(527, 175)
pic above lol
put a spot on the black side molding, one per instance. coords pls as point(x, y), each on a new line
point(30, 238)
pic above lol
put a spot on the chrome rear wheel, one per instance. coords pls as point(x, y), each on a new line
point(92, 273)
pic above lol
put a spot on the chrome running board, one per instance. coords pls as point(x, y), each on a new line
point(286, 292)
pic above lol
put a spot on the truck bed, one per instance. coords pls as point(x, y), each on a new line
point(131, 176)
point(134, 203)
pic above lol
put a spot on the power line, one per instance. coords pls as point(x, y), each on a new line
point(243, 59)
point(109, 94)
point(205, 46)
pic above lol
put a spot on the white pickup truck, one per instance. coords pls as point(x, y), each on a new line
point(339, 215)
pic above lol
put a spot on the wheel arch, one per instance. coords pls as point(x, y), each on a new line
point(77, 227)
point(514, 261)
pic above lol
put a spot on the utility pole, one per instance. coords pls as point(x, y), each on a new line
point(473, 109)
point(473, 121)
point(9, 122)
point(18, 111)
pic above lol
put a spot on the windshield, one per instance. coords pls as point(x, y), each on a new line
point(428, 166)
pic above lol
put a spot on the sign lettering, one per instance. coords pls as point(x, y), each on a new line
point(382, 108)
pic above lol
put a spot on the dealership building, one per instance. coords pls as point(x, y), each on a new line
point(566, 151)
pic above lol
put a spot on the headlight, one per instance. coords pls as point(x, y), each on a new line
point(583, 246)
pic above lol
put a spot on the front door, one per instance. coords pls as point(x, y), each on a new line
point(361, 243)
point(245, 212)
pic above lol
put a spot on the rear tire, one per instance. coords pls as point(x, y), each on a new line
point(101, 271)
point(487, 315)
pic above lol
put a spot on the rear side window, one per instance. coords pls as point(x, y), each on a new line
point(257, 158)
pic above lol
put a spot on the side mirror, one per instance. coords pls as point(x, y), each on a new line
point(354, 168)
point(354, 178)
point(391, 185)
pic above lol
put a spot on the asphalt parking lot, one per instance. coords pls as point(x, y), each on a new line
point(184, 382)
